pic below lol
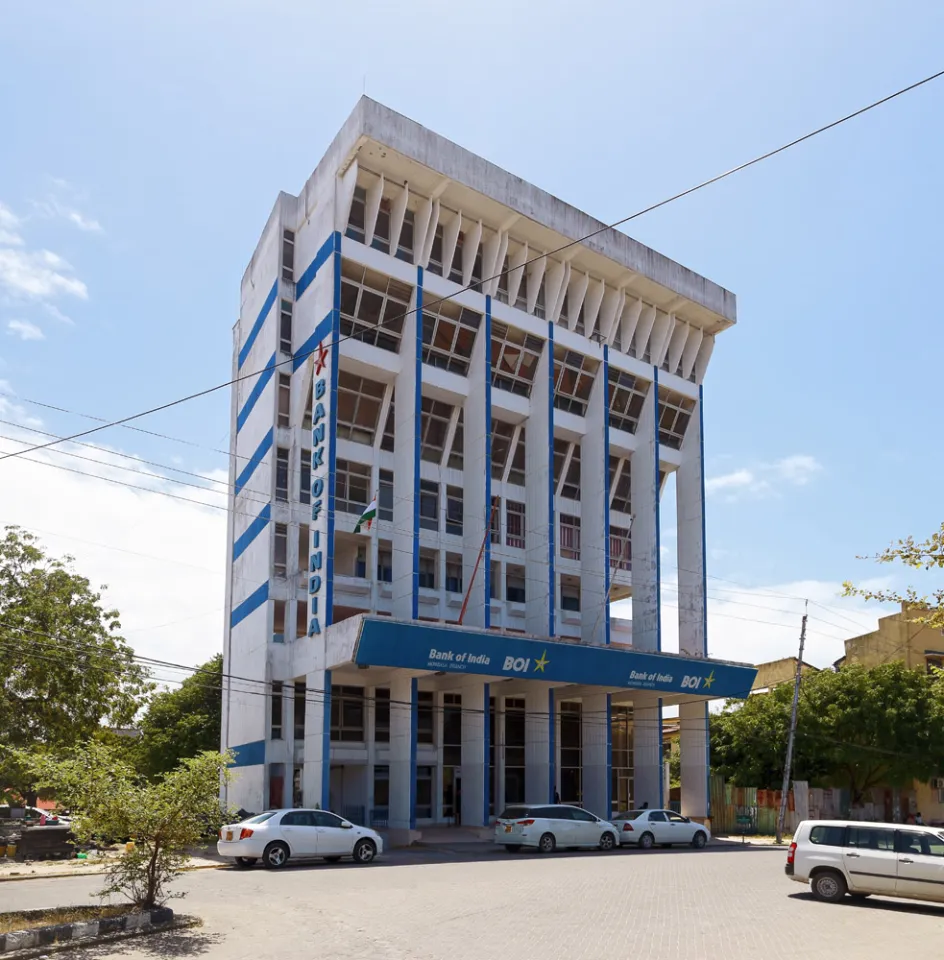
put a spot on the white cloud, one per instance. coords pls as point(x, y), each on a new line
point(765, 478)
point(25, 330)
point(57, 314)
point(53, 208)
point(38, 275)
point(9, 228)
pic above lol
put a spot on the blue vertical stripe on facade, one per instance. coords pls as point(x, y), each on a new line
point(264, 447)
point(252, 531)
point(487, 572)
point(321, 258)
point(606, 496)
point(551, 747)
point(258, 325)
point(487, 737)
point(255, 600)
point(255, 393)
point(655, 387)
point(333, 422)
point(609, 752)
point(326, 745)
point(414, 705)
point(417, 434)
point(551, 517)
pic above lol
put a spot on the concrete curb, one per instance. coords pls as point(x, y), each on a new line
point(60, 936)
point(96, 873)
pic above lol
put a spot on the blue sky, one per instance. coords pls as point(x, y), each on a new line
point(145, 145)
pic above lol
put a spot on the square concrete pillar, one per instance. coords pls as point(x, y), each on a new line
point(647, 752)
point(594, 516)
point(595, 736)
point(690, 497)
point(647, 634)
point(475, 735)
point(402, 817)
point(316, 772)
point(540, 746)
point(693, 745)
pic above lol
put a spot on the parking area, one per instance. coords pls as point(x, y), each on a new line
point(724, 903)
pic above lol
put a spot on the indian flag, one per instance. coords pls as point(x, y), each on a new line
point(367, 516)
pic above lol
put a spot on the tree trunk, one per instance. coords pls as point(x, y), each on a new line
point(152, 876)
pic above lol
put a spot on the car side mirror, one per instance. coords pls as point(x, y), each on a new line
point(347, 826)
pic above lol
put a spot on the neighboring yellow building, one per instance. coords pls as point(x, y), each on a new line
point(775, 672)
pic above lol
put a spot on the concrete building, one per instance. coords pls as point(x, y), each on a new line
point(517, 437)
point(774, 672)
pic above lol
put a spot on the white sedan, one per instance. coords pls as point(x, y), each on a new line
point(549, 826)
point(277, 836)
point(646, 828)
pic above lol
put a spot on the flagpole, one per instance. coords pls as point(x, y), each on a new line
point(478, 560)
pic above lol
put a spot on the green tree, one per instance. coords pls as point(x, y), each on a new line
point(64, 668)
point(924, 555)
point(164, 818)
point(181, 723)
point(857, 727)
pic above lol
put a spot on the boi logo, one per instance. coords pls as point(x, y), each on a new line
point(695, 683)
point(516, 664)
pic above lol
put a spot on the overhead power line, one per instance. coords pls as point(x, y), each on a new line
point(477, 284)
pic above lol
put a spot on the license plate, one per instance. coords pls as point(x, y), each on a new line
point(229, 834)
point(507, 828)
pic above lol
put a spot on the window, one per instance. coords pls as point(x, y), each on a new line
point(297, 818)
point(456, 454)
point(434, 425)
point(306, 416)
point(569, 537)
point(285, 327)
point(281, 474)
point(515, 356)
point(304, 477)
point(424, 793)
point(621, 548)
point(360, 563)
point(657, 816)
point(494, 582)
point(425, 723)
point(405, 243)
point(452, 732)
point(347, 714)
point(435, 256)
point(352, 486)
point(870, 838)
point(372, 306)
point(381, 239)
point(571, 751)
point(453, 573)
point(285, 400)
point(571, 485)
point(620, 489)
point(828, 836)
point(501, 291)
point(359, 403)
point(385, 564)
point(627, 394)
point(502, 435)
point(516, 473)
point(560, 456)
point(300, 696)
point(275, 711)
point(321, 818)
point(288, 256)
point(674, 413)
point(573, 380)
point(355, 223)
point(381, 791)
point(454, 510)
point(514, 584)
point(382, 715)
point(428, 564)
point(429, 505)
point(539, 300)
point(521, 301)
point(280, 554)
point(514, 524)
point(494, 523)
point(278, 621)
point(570, 593)
point(303, 542)
point(455, 272)
point(385, 501)
point(386, 441)
point(449, 335)
point(301, 619)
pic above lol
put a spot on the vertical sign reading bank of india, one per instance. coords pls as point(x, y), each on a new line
point(320, 437)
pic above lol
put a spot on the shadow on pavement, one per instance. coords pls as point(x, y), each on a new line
point(889, 905)
point(173, 943)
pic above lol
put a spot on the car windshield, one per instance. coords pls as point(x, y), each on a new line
point(260, 818)
point(630, 815)
point(513, 813)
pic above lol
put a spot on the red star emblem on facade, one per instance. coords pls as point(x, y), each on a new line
point(321, 359)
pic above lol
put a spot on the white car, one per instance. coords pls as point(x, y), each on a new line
point(277, 836)
point(646, 828)
point(549, 826)
point(837, 857)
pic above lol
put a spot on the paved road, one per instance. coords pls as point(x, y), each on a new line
point(717, 904)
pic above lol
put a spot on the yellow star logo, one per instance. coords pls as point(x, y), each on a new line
point(542, 663)
point(709, 680)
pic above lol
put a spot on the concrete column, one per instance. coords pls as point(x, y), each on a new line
point(498, 737)
point(647, 633)
point(690, 496)
point(540, 746)
point(595, 738)
point(402, 755)
point(693, 744)
point(475, 753)
point(647, 752)
point(594, 515)
point(288, 732)
point(316, 773)
point(406, 458)
point(540, 520)
point(477, 478)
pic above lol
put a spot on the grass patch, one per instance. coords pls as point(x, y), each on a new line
point(31, 919)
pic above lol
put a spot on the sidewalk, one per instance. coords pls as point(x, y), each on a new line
point(45, 869)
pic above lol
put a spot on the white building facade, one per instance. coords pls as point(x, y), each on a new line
point(517, 437)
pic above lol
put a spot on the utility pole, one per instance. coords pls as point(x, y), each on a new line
point(793, 725)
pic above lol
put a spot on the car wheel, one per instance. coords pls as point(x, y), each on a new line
point(333, 859)
point(365, 851)
point(243, 863)
point(647, 841)
point(829, 886)
point(607, 841)
point(547, 843)
point(275, 855)
point(699, 840)
point(512, 847)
